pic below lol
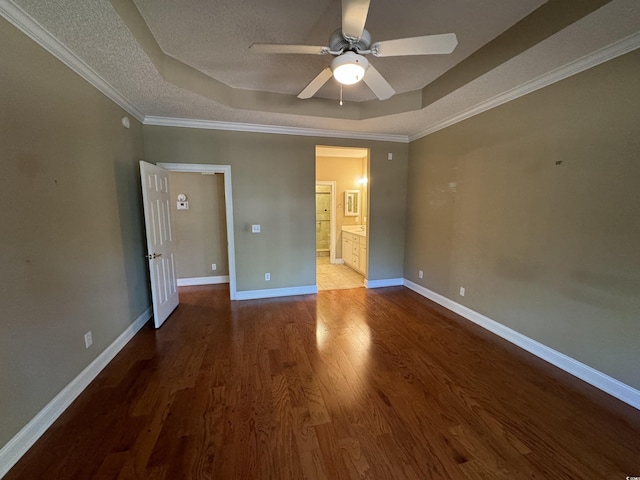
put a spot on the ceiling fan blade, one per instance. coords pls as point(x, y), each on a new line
point(427, 45)
point(316, 84)
point(354, 16)
point(276, 48)
point(378, 85)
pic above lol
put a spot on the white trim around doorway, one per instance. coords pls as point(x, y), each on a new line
point(226, 171)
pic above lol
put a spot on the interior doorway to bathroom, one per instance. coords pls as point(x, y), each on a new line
point(341, 174)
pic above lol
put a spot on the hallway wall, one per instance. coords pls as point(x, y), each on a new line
point(273, 185)
point(201, 231)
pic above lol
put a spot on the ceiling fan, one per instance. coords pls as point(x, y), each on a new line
point(350, 43)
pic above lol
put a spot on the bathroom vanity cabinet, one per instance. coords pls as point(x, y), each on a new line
point(354, 250)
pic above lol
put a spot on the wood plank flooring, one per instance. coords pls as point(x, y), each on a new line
point(346, 384)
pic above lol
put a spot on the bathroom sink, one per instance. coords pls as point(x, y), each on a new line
point(357, 229)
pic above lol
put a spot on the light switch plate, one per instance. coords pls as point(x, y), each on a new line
point(255, 228)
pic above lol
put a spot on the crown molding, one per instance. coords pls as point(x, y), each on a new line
point(273, 129)
point(30, 27)
point(593, 59)
point(34, 30)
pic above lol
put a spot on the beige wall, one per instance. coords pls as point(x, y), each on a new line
point(551, 251)
point(345, 172)
point(201, 231)
point(72, 242)
point(273, 180)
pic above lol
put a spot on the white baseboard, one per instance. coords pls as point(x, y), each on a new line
point(276, 292)
point(189, 282)
point(386, 282)
point(32, 431)
point(604, 382)
point(339, 261)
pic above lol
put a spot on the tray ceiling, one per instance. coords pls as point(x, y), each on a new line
point(190, 59)
point(214, 37)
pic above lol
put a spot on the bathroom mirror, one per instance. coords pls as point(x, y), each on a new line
point(351, 203)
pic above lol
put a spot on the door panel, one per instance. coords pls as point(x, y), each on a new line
point(157, 215)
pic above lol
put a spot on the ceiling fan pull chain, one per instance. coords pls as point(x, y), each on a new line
point(340, 94)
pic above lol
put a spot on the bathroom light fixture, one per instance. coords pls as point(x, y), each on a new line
point(362, 181)
point(349, 68)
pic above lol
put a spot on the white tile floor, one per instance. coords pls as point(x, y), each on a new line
point(336, 277)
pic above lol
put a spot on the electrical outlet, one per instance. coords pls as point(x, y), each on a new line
point(88, 341)
point(214, 266)
point(420, 274)
point(267, 276)
point(255, 228)
point(462, 291)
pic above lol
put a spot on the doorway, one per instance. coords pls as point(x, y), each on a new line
point(325, 220)
point(225, 170)
point(340, 172)
point(199, 226)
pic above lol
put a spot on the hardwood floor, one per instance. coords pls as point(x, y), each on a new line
point(345, 384)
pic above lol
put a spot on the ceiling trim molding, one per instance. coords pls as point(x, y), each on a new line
point(30, 27)
point(189, 78)
point(616, 49)
point(273, 129)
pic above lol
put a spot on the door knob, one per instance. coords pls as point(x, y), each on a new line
point(152, 256)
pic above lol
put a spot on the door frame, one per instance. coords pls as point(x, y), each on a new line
point(226, 171)
point(332, 222)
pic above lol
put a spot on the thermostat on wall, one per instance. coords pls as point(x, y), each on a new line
point(182, 202)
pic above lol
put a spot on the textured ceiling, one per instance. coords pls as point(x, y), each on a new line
point(213, 37)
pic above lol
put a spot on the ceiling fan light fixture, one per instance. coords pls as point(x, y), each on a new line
point(349, 68)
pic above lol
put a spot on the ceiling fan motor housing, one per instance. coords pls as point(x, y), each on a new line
point(337, 42)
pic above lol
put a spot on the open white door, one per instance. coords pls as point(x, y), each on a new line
point(157, 220)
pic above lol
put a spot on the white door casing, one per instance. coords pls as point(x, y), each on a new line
point(228, 199)
point(160, 245)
